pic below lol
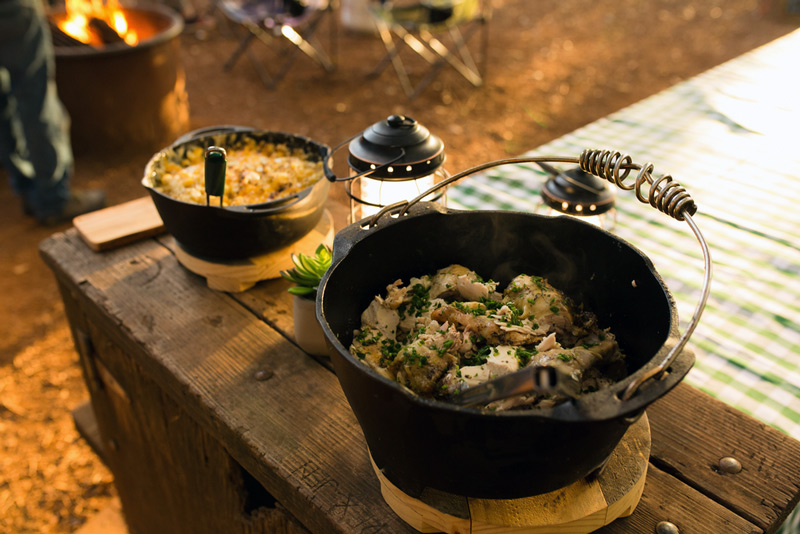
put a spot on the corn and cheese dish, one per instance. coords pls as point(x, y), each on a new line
point(257, 172)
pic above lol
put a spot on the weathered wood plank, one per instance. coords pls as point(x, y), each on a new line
point(268, 300)
point(692, 431)
point(667, 499)
point(166, 467)
point(301, 440)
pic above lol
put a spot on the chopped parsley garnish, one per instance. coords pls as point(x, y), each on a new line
point(418, 304)
point(412, 356)
point(490, 304)
point(364, 338)
point(516, 315)
point(524, 356)
point(478, 358)
point(389, 350)
point(476, 310)
point(565, 357)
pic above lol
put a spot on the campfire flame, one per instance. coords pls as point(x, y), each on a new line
point(83, 16)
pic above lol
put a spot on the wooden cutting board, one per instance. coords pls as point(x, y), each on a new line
point(119, 225)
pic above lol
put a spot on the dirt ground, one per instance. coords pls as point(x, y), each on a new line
point(552, 65)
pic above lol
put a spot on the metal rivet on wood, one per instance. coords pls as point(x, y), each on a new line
point(263, 374)
point(665, 527)
point(730, 465)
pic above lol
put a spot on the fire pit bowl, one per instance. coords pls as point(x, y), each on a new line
point(121, 96)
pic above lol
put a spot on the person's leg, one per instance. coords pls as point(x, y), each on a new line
point(34, 134)
point(20, 171)
point(14, 23)
point(40, 153)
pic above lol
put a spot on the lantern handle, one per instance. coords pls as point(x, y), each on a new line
point(664, 194)
point(329, 174)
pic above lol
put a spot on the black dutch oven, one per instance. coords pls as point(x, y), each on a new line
point(421, 443)
point(236, 232)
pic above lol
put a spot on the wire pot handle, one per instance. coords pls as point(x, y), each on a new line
point(663, 193)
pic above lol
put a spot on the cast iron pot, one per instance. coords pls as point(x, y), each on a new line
point(422, 444)
point(236, 232)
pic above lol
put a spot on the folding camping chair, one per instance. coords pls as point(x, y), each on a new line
point(421, 25)
point(291, 24)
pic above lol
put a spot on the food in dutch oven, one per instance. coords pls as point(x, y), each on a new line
point(444, 332)
point(257, 171)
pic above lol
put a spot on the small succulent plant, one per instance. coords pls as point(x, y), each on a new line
point(308, 271)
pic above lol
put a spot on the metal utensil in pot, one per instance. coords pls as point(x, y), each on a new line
point(539, 379)
point(216, 162)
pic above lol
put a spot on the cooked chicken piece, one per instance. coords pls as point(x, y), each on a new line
point(444, 282)
point(412, 322)
point(381, 317)
point(547, 343)
point(456, 281)
point(420, 367)
point(495, 328)
point(444, 338)
point(478, 325)
point(472, 289)
point(367, 346)
point(502, 361)
point(573, 361)
point(540, 303)
point(610, 362)
point(601, 342)
point(517, 329)
point(395, 294)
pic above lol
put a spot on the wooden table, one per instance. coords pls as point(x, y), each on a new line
point(212, 420)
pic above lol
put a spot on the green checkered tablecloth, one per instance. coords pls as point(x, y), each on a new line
point(730, 137)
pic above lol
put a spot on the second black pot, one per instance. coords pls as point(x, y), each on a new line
point(237, 232)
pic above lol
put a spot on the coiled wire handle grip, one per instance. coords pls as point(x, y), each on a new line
point(663, 193)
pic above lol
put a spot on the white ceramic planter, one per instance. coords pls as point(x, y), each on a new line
point(307, 331)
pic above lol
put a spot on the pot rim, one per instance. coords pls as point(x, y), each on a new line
point(585, 407)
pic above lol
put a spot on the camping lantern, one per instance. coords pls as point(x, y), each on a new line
point(579, 194)
point(393, 160)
